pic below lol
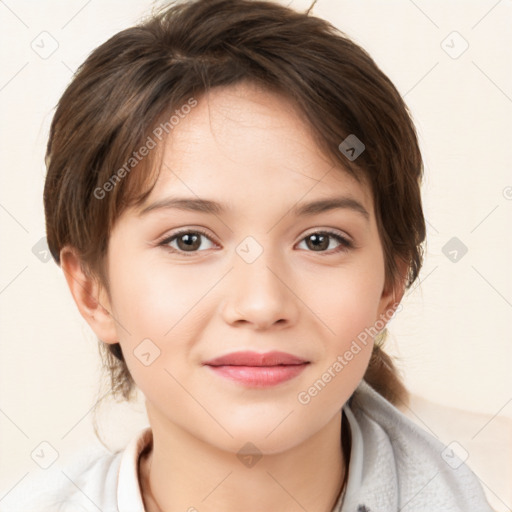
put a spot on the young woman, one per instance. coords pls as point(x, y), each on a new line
point(233, 194)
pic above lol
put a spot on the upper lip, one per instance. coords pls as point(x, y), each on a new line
point(247, 358)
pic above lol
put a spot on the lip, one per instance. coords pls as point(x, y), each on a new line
point(248, 358)
point(258, 370)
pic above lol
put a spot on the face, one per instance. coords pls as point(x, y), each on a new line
point(242, 263)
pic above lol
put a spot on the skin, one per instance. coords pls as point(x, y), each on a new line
point(248, 149)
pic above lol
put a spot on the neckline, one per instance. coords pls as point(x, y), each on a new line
point(129, 489)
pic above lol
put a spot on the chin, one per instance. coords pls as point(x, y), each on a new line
point(270, 436)
point(258, 444)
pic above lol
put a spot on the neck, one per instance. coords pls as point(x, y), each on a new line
point(179, 473)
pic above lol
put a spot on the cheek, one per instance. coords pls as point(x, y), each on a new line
point(154, 300)
point(349, 311)
point(158, 309)
point(349, 301)
point(349, 308)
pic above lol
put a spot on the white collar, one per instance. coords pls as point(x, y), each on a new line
point(129, 493)
point(393, 464)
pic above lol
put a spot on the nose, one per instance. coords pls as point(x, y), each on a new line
point(257, 294)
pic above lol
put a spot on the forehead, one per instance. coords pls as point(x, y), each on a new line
point(246, 143)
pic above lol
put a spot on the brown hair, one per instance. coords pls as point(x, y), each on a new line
point(136, 79)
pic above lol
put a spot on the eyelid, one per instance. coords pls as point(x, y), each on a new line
point(346, 242)
point(165, 239)
point(329, 231)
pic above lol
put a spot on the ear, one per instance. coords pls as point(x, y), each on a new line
point(90, 296)
point(393, 292)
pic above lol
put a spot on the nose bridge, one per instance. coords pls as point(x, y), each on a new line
point(259, 277)
point(257, 292)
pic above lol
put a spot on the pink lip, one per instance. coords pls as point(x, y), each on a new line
point(258, 370)
point(273, 358)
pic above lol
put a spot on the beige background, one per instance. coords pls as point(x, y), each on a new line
point(453, 335)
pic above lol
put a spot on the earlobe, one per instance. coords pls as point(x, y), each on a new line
point(89, 295)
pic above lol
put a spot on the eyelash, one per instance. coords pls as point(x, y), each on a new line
point(344, 246)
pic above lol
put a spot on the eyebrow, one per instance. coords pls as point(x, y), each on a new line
point(215, 208)
point(324, 205)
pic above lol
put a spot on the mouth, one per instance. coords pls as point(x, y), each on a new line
point(257, 370)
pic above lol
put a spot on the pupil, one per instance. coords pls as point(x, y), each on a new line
point(190, 241)
point(317, 241)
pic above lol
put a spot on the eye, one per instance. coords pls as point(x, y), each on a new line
point(320, 241)
point(186, 241)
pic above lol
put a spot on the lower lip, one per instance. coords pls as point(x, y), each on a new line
point(259, 376)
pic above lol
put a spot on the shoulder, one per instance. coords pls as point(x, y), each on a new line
point(405, 465)
point(87, 484)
